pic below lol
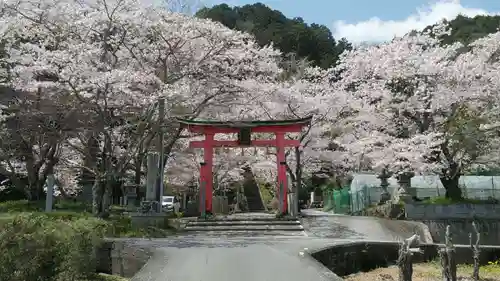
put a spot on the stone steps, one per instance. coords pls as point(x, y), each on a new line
point(246, 227)
point(243, 218)
point(244, 222)
point(248, 233)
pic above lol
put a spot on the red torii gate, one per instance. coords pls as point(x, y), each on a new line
point(244, 130)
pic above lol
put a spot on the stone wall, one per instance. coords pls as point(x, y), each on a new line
point(422, 211)
point(460, 229)
point(460, 218)
point(121, 258)
point(159, 220)
point(349, 258)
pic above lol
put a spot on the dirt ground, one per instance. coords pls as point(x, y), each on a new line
point(427, 272)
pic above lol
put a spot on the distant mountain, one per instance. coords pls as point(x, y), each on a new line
point(312, 42)
point(466, 30)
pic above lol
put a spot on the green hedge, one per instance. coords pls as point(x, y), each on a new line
point(19, 206)
point(50, 247)
point(441, 200)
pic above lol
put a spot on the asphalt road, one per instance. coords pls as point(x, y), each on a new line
point(244, 259)
point(198, 258)
point(327, 225)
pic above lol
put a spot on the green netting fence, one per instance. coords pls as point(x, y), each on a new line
point(343, 201)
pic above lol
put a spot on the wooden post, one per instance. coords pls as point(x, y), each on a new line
point(448, 260)
point(405, 259)
point(50, 193)
point(475, 252)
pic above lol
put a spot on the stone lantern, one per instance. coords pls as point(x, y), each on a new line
point(384, 184)
point(404, 185)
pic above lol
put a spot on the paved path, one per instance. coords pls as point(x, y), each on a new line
point(234, 259)
point(198, 258)
point(327, 225)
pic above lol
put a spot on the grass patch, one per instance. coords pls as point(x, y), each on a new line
point(441, 200)
point(428, 272)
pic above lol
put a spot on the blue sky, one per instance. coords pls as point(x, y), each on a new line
point(374, 20)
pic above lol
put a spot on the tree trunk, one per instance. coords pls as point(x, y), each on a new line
point(34, 189)
point(138, 175)
point(449, 179)
point(452, 187)
point(34, 192)
point(96, 197)
point(88, 174)
point(106, 198)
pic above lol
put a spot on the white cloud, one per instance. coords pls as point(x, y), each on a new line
point(377, 30)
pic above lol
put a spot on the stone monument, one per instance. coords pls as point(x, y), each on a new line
point(149, 212)
point(50, 193)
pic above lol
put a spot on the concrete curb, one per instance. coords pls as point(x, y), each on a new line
point(306, 255)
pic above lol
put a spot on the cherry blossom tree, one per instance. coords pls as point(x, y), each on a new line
point(296, 97)
point(321, 145)
point(30, 142)
point(420, 107)
point(115, 58)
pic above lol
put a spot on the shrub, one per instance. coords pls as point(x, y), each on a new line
point(20, 206)
point(266, 194)
point(49, 248)
point(72, 205)
point(35, 206)
point(275, 204)
point(10, 192)
point(441, 200)
point(66, 215)
point(121, 226)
